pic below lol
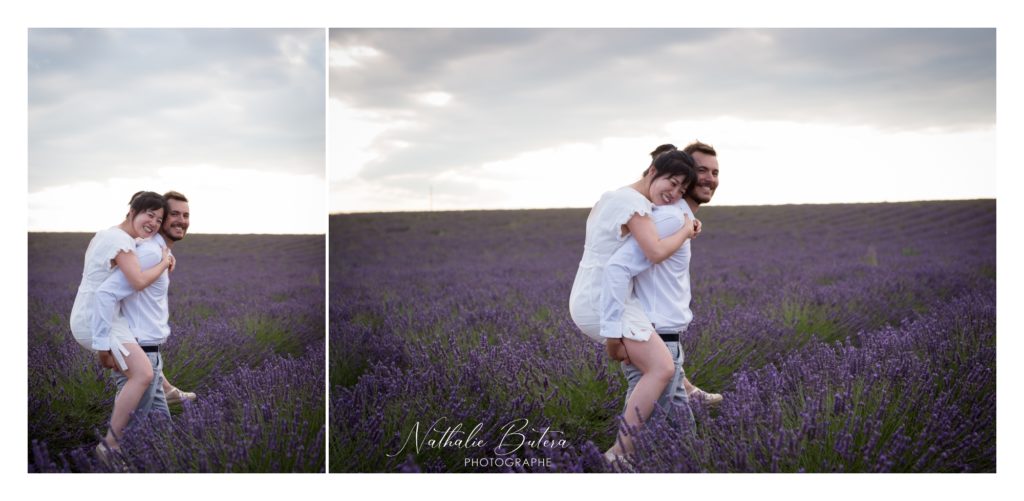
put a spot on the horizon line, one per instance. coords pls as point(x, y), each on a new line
point(395, 211)
point(193, 234)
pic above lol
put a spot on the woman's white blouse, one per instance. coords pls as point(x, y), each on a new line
point(604, 237)
point(99, 256)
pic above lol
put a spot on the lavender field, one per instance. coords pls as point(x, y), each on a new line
point(845, 338)
point(247, 323)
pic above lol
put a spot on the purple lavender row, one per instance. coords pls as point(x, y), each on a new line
point(262, 419)
point(462, 316)
point(247, 316)
point(919, 397)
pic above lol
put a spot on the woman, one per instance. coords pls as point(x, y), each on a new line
point(617, 215)
point(115, 248)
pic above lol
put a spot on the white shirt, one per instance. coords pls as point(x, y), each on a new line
point(663, 290)
point(146, 310)
point(604, 236)
point(99, 265)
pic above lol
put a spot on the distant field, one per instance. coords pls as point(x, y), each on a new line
point(843, 337)
point(246, 317)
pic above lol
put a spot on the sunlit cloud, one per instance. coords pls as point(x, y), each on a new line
point(112, 111)
point(762, 163)
point(222, 200)
point(345, 57)
point(550, 118)
point(436, 98)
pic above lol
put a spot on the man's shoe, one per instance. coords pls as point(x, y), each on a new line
point(704, 397)
point(176, 396)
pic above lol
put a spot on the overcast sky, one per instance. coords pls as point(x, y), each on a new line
point(512, 118)
point(226, 116)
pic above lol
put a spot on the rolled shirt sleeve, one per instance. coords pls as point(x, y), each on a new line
point(105, 299)
point(627, 262)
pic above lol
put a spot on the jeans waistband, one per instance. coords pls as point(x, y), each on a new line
point(151, 349)
point(669, 338)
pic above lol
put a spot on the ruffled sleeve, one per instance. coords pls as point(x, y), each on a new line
point(113, 243)
point(623, 204)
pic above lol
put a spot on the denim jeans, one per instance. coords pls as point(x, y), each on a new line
point(153, 400)
point(674, 393)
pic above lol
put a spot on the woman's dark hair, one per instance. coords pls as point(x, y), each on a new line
point(147, 200)
point(668, 162)
point(661, 149)
point(656, 153)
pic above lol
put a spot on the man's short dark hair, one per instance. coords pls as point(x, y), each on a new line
point(699, 147)
point(174, 195)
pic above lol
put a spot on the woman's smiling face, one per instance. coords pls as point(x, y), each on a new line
point(668, 190)
point(146, 223)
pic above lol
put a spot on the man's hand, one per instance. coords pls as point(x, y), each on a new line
point(106, 360)
point(697, 227)
point(617, 350)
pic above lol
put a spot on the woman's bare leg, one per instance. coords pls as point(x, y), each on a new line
point(140, 376)
point(654, 360)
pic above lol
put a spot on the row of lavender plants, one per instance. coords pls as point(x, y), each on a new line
point(844, 338)
point(247, 319)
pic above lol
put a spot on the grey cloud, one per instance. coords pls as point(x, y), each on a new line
point(104, 102)
point(518, 90)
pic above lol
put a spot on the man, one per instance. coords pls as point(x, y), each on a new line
point(146, 311)
point(662, 291)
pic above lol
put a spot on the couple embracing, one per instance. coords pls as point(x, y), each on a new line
point(121, 311)
point(632, 289)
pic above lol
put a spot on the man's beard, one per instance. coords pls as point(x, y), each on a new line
point(692, 195)
point(170, 237)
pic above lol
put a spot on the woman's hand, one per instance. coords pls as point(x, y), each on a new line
point(697, 227)
point(168, 259)
point(690, 227)
point(617, 350)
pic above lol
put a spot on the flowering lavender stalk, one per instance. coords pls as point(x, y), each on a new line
point(247, 316)
point(844, 337)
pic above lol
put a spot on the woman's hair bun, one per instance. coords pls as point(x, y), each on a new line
point(662, 149)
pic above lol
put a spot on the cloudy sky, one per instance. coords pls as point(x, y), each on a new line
point(232, 118)
point(522, 118)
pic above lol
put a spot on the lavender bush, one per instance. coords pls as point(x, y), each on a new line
point(844, 338)
point(247, 317)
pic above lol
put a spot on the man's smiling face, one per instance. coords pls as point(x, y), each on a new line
point(704, 188)
point(176, 223)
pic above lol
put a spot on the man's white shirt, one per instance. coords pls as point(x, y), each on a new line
point(146, 311)
point(663, 291)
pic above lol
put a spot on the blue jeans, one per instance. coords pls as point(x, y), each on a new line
point(674, 394)
point(153, 400)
